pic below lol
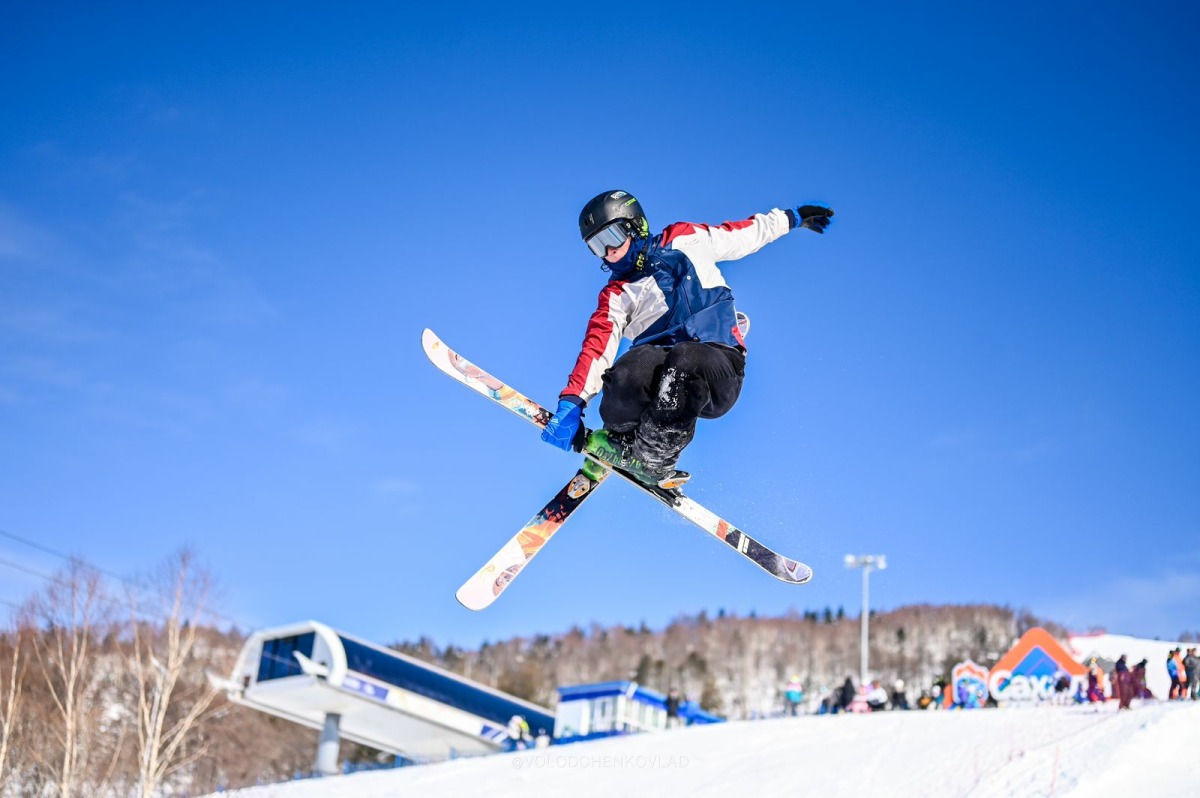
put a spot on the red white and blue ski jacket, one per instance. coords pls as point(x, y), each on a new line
point(670, 291)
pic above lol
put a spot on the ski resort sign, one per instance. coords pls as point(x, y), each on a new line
point(968, 686)
point(1029, 671)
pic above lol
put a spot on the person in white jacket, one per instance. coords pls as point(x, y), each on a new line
point(877, 697)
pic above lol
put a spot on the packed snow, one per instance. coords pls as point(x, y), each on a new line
point(1081, 751)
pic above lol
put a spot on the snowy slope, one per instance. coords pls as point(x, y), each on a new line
point(1080, 751)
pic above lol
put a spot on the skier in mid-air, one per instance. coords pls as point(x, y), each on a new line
point(688, 354)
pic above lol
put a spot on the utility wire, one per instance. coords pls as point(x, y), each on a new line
point(44, 548)
point(112, 601)
point(103, 572)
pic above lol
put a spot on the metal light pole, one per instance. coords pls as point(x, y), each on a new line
point(868, 563)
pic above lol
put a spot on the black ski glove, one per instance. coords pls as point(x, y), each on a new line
point(813, 217)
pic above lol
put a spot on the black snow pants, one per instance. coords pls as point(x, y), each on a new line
point(658, 392)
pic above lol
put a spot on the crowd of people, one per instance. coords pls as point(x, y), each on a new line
point(873, 697)
point(1124, 683)
point(1127, 683)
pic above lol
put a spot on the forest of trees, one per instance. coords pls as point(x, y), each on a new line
point(103, 692)
point(103, 688)
point(736, 667)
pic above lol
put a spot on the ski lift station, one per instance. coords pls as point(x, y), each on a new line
point(348, 688)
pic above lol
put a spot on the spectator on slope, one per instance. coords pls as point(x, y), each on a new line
point(673, 704)
point(847, 695)
point(1190, 663)
point(1175, 671)
point(877, 697)
point(519, 737)
point(943, 693)
point(793, 694)
point(899, 697)
point(1123, 683)
point(827, 702)
point(1095, 688)
point(1140, 690)
point(1062, 689)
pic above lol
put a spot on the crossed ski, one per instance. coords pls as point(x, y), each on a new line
point(490, 581)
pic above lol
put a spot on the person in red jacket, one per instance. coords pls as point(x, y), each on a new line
point(1140, 690)
point(1123, 683)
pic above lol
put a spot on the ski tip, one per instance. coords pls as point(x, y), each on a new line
point(435, 348)
point(471, 599)
point(794, 572)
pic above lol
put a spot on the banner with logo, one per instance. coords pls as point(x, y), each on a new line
point(1031, 670)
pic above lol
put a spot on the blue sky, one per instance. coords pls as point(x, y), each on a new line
point(222, 230)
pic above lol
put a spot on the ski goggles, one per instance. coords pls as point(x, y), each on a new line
point(613, 235)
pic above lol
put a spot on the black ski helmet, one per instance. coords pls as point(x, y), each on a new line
point(611, 206)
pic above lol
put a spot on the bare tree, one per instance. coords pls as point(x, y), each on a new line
point(173, 697)
point(65, 617)
point(12, 683)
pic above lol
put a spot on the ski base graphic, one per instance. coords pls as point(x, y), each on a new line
point(490, 581)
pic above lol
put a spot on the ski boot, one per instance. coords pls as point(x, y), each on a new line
point(614, 449)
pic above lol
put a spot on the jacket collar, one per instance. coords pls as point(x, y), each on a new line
point(635, 259)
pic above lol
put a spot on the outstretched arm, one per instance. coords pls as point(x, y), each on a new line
point(734, 240)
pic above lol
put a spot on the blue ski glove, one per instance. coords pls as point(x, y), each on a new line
point(812, 217)
point(566, 425)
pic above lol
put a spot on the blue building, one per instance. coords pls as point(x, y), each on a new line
point(607, 709)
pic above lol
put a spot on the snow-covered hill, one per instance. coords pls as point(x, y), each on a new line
point(1084, 752)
